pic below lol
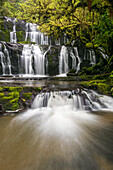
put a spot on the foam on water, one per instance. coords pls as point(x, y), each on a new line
point(58, 133)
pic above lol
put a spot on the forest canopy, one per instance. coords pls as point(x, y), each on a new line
point(88, 21)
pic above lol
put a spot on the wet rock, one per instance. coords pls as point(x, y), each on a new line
point(1, 109)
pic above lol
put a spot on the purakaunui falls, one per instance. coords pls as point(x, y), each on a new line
point(64, 130)
point(42, 55)
point(67, 127)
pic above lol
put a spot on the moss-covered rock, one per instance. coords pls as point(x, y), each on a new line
point(15, 98)
point(10, 100)
point(89, 45)
point(27, 96)
point(101, 86)
point(53, 61)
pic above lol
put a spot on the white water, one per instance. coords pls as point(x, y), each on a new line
point(102, 52)
point(74, 62)
point(63, 60)
point(5, 61)
point(13, 37)
point(75, 100)
point(92, 57)
point(33, 60)
point(79, 60)
point(34, 35)
point(59, 132)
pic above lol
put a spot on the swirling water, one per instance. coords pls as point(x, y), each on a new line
point(65, 130)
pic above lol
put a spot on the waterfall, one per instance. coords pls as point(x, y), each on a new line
point(63, 60)
point(2, 58)
point(92, 57)
point(33, 60)
point(13, 37)
point(64, 130)
point(5, 60)
point(34, 35)
point(79, 60)
point(76, 100)
point(39, 60)
point(73, 60)
point(102, 52)
point(26, 59)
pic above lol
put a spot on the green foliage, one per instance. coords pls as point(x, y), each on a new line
point(10, 97)
point(10, 100)
point(104, 33)
point(27, 96)
point(1, 88)
point(89, 45)
point(100, 85)
point(15, 88)
point(89, 21)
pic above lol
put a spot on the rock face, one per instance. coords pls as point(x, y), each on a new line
point(1, 109)
point(53, 60)
point(9, 58)
point(25, 50)
point(7, 26)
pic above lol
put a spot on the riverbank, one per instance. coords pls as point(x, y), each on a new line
point(18, 94)
point(14, 99)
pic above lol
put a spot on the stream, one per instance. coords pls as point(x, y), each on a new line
point(63, 130)
point(67, 127)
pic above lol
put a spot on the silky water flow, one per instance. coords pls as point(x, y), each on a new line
point(64, 130)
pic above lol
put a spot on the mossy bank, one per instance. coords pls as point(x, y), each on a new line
point(16, 98)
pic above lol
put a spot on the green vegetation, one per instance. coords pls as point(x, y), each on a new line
point(86, 22)
point(27, 96)
point(14, 98)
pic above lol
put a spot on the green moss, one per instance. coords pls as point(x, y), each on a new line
point(39, 88)
point(15, 88)
point(100, 85)
point(27, 96)
point(10, 96)
point(14, 100)
point(103, 88)
point(26, 42)
point(96, 45)
point(112, 91)
point(20, 35)
point(1, 95)
point(89, 45)
point(10, 100)
point(1, 88)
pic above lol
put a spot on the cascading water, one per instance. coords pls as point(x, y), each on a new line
point(102, 52)
point(63, 60)
point(38, 62)
point(90, 55)
point(26, 59)
point(33, 60)
point(64, 130)
point(5, 60)
point(34, 35)
point(75, 100)
point(13, 37)
point(79, 60)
